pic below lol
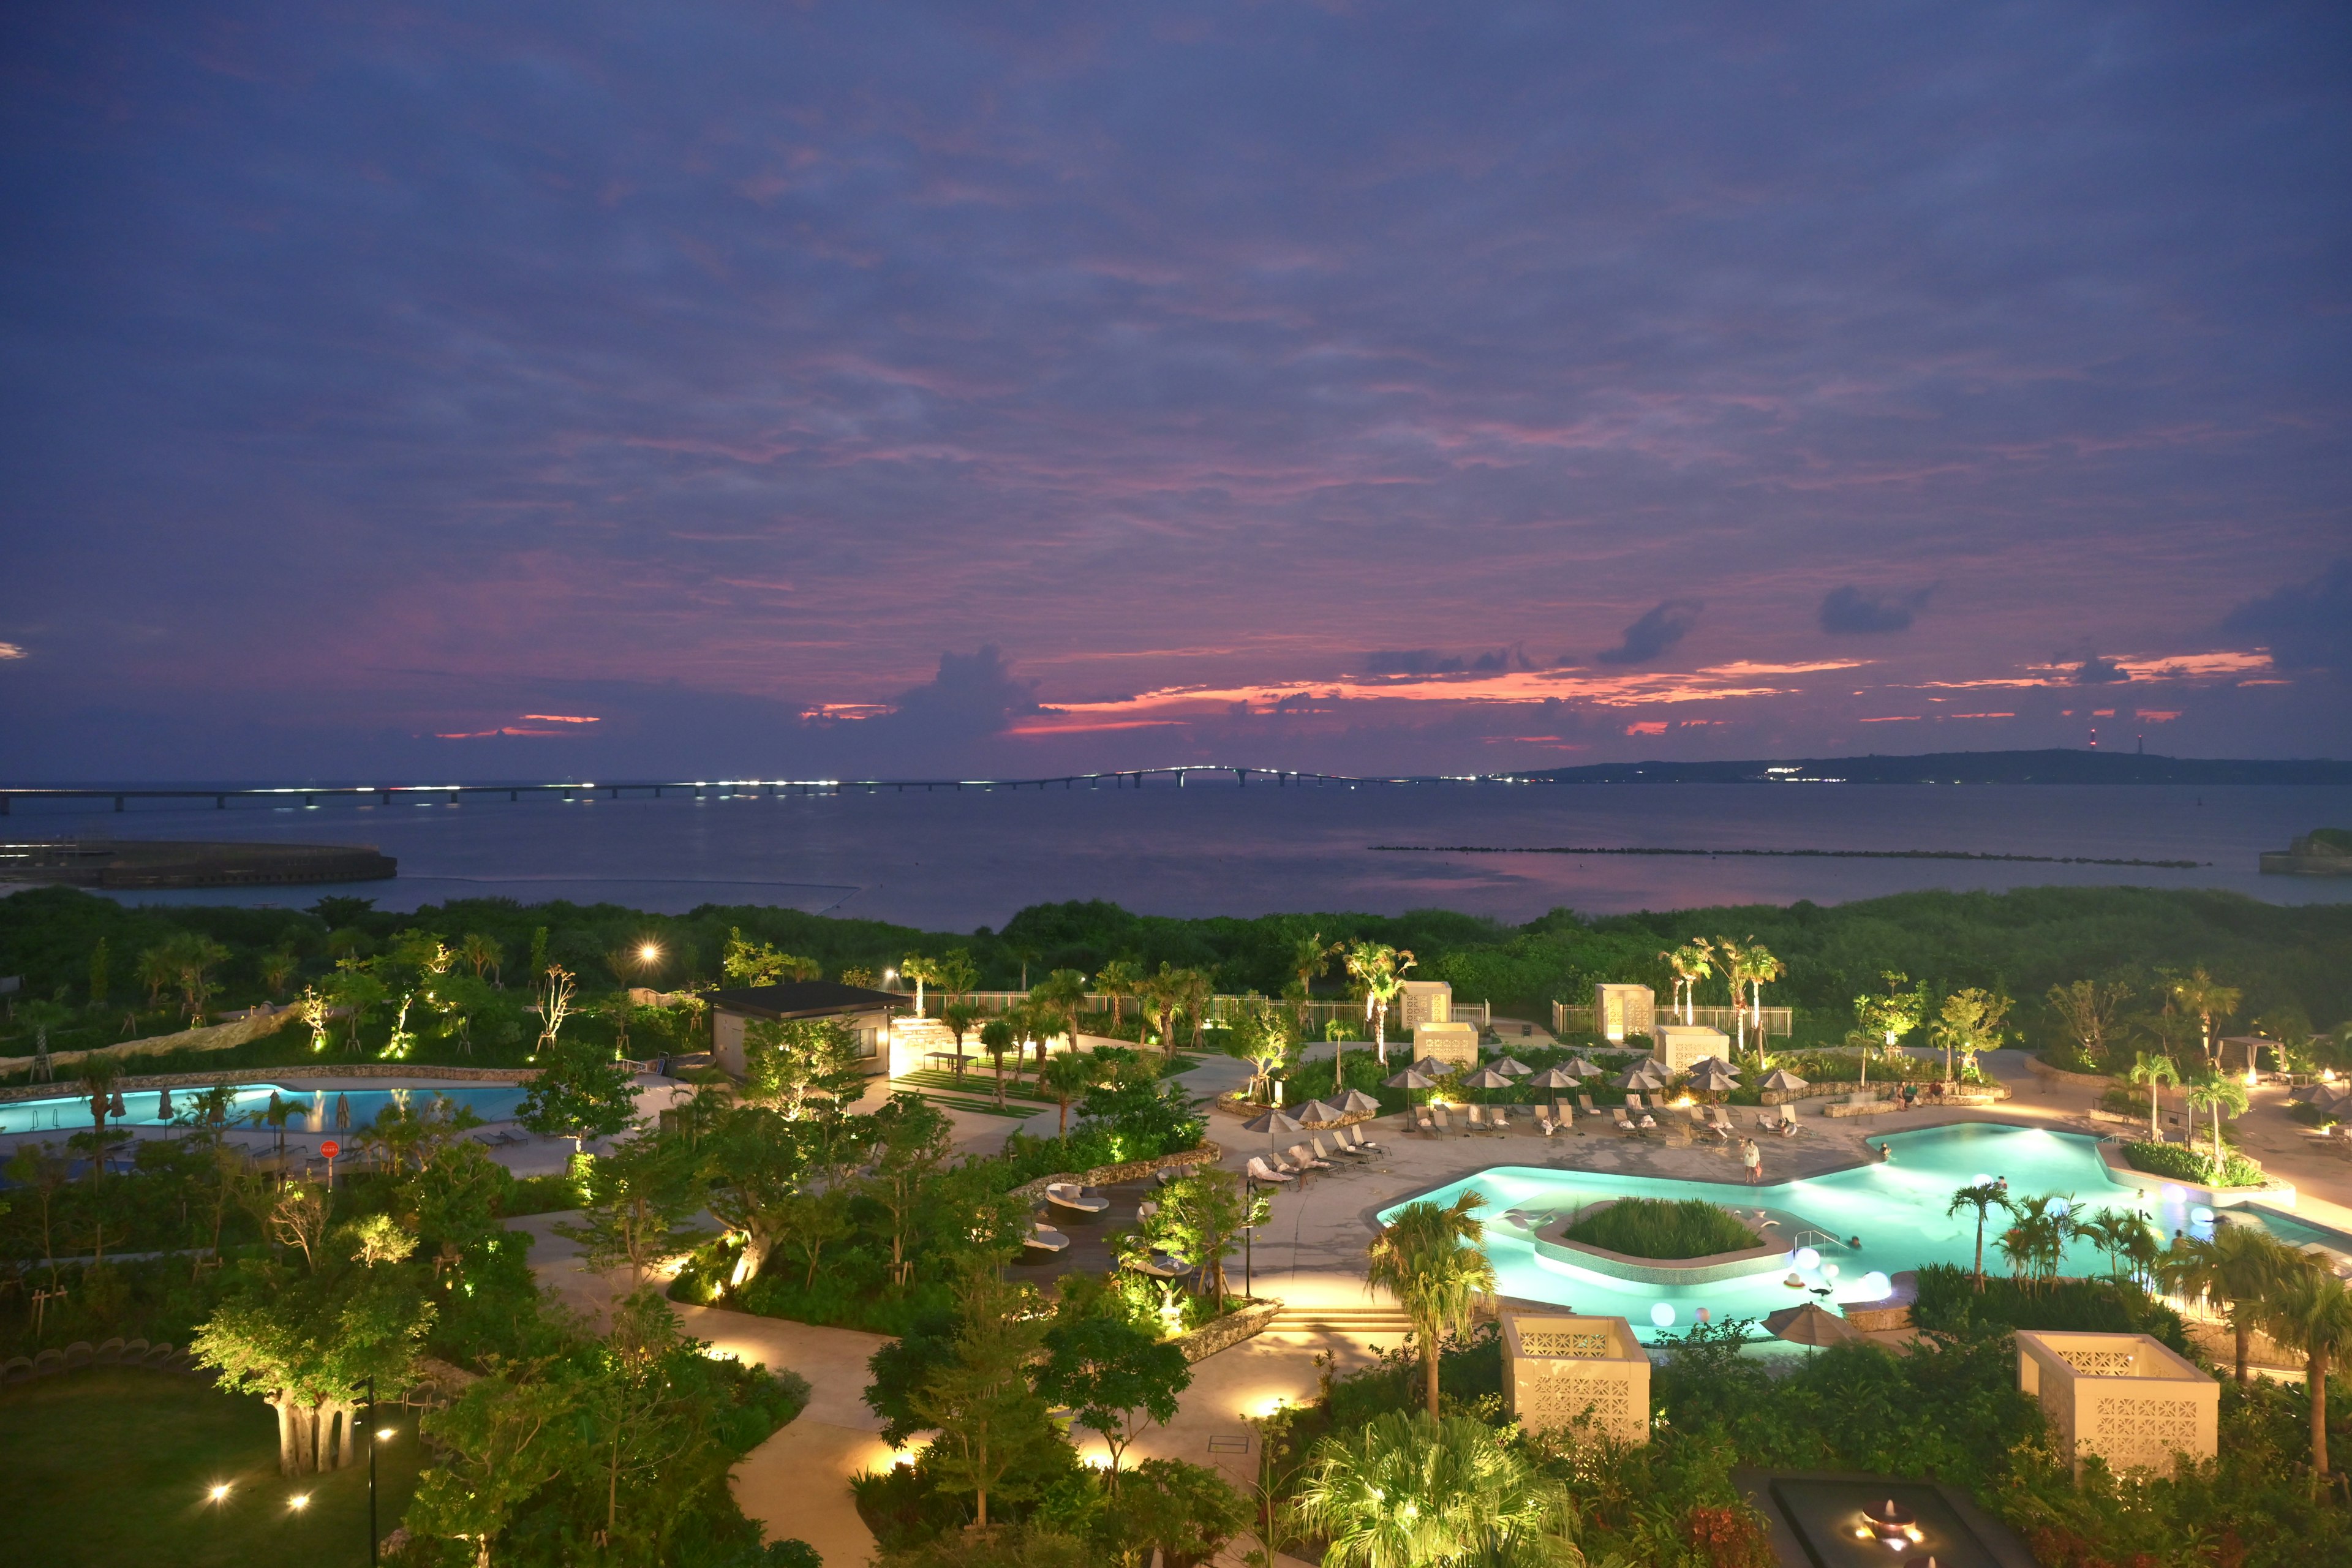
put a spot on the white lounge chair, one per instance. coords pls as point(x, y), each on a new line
point(1071, 1196)
point(1302, 1157)
point(1624, 1121)
point(1584, 1103)
point(1260, 1171)
point(1045, 1238)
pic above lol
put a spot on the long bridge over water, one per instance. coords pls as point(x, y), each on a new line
point(309, 794)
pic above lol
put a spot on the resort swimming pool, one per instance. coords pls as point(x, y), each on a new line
point(1894, 1207)
point(315, 1107)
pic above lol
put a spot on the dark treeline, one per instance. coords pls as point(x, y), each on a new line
point(2292, 964)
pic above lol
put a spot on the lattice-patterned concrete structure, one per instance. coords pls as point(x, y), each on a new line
point(2125, 1398)
point(1424, 1002)
point(1680, 1045)
point(1556, 1369)
point(1623, 1012)
point(1456, 1045)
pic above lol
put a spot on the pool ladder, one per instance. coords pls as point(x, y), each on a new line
point(1813, 1238)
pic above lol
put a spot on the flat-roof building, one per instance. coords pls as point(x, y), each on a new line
point(868, 1012)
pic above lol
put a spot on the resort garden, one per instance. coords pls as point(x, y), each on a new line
point(389, 1324)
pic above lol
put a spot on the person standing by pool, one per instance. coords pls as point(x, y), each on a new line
point(1753, 1158)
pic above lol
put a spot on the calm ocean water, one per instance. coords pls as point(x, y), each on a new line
point(956, 861)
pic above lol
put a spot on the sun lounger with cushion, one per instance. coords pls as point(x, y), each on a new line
point(1300, 1156)
point(1624, 1121)
point(1474, 1117)
point(1358, 1142)
point(1437, 1116)
point(1045, 1238)
point(1584, 1103)
point(1260, 1171)
point(1339, 1146)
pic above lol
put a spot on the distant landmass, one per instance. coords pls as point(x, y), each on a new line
point(2048, 767)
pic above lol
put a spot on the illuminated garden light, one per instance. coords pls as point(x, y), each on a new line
point(298, 1501)
point(218, 1492)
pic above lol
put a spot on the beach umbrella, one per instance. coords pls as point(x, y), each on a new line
point(1355, 1103)
point(1782, 1080)
point(1411, 1077)
point(163, 1106)
point(1642, 1075)
point(342, 1112)
point(118, 1109)
point(1314, 1113)
point(2325, 1096)
point(1509, 1068)
point(1430, 1067)
point(1714, 1082)
point(1712, 1063)
point(1487, 1077)
point(1582, 1068)
point(1553, 1077)
point(1271, 1123)
point(1809, 1325)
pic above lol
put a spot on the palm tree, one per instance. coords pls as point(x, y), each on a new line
point(1761, 970)
point(996, 1037)
point(1379, 971)
point(923, 970)
point(1692, 963)
point(2202, 994)
point(2036, 1243)
point(2121, 1237)
point(2237, 1269)
point(2224, 1097)
point(1162, 997)
point(1310, 959)
point(1060, 997)
point(2312, 1311)
point(480, 953)
point(1415, 1492)
point(1067, 1078)
point(1430, 1258)
point(1118, 980)
point(99, 1074)
point(1984, 1197)
point(2155, 1071)
point(959, 1016)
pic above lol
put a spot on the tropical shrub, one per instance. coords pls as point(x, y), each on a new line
point(2182, 1162)
point(1660, 1227)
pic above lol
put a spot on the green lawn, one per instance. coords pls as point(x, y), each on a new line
point(110, 1468)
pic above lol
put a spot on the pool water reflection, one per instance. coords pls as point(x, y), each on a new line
point(1894, 1208)
point(315, 1107)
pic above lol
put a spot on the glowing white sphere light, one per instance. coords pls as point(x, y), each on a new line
point(1663, 1315)
point(1877, 1287)
point(1808, 1259)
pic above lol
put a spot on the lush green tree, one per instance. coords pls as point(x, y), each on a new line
point(1059, 1000)
point(1261, 1035)
point(500, 1442)
point(1118, 980)
point(1430, 1259)
point(991, 1421)
point(2090, 1010)
point(1415, 1492)
point(99, 958)
point(38, 1168)
point(306, 1344)
point(911, 1141)
point(1115, 1377)
point(2224, 1097)
point(2124, 1237)
point(580, 1093)
point(754, 1163)
point(2036, 1240)
point(804, 1066)
point(961, 1019)
point(639, 1199)
point(1691, 963)
point(1185, 1512)
point(747, 963)
point(1161, 996)
point(1886, 1015)
point(996, 1037)
point(1201, 1219)
point(1969, 1021)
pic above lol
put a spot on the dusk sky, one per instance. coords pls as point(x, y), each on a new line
point(550, 390)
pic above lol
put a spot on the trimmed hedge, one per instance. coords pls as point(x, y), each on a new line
point(2182, 1164)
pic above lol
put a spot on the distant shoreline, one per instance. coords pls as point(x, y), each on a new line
point(1821, 854)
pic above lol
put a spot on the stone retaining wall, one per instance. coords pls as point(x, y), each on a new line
point(211, 1037)
point(2086, 1080)
point(1208, 1153)
point(1228, 1331)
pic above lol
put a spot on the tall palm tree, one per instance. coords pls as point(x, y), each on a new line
point(1415, 1492)
point(1118, 980)
point(2037, 1242)
point(1067, 1078)
point(1984, 1197)
point(1059, 998)
point(2222, 1095)
point(1310, 959)
point(2237, 1270)
point(1761, 970)
point(2121, 1237)
point(98, 1075)
point(2201, 994)
point(1162, 997)
point(960, 1017)
point(2155, 1072)
point(996, 1037)
point(1693, 961)
point(1379, 972)
point(2312, 1311)
point(923, 970)
point(1430, 1258)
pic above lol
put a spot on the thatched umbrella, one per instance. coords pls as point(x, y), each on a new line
point(1809, 1325)
point(1782, 1080)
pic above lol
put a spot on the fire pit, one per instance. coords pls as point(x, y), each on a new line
point(1891, 1524)
point(1864, 1521)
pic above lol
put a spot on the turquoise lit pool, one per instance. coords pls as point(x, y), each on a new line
point(1896, 1208)
point(315, 1108)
